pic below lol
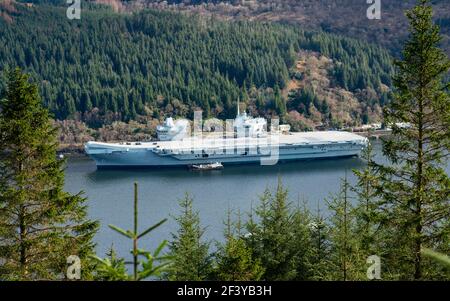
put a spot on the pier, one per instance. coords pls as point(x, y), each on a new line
point(376, 134)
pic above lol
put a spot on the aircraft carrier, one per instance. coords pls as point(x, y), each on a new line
point(248, 143)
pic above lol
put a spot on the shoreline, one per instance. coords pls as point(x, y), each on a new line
point(72, 150)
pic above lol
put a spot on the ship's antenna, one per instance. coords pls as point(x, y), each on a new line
point(238, 110)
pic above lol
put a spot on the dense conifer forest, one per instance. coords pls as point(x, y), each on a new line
point(120, 66)
point(345, 17)
point(392, 224)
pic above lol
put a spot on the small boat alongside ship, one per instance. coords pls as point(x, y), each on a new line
point(208, 166)
point(248, 143)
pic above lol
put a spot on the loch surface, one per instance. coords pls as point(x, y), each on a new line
point(110, 193)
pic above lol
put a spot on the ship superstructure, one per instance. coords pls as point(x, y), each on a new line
point(249, 142)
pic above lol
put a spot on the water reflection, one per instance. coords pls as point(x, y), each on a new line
point(110, 192)
point(298, 167)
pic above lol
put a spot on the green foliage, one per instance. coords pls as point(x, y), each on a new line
point(374, 237)
point(320, 247)
point(302, 101)
point(233, 259)
point(438, 257)
point(347, 261)
point(111, 268)
point(279, 102)
point(415, 189)
point(303, 243)
point(235, 262)
point(152, 264)
point(191, 258)
point(40, 224)
point(367, 210)
point(270, 236)
point(157, 62)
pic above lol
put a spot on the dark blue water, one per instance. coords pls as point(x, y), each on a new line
point(110, 193)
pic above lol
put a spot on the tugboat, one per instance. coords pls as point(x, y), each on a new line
point(209, 166)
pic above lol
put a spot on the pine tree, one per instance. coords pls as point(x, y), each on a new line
point(146, 264)
point(415, 187)
point(111, 268)
point(368, 216)
point(271, 239)
point(346, 258)
point(303, 243)
point(234, 259)
point(235, 262)
point(40, 224)
point(279, 103)
point(319, 261)
point(373, 237)
point(181, 66)
point(191, 260)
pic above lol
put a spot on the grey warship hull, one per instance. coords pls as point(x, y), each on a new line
point(292, 147)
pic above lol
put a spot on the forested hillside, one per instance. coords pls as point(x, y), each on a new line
point(110, 66)
point(346, 17)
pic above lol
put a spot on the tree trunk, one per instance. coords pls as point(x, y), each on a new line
point(419, 195)
point(22, 233)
